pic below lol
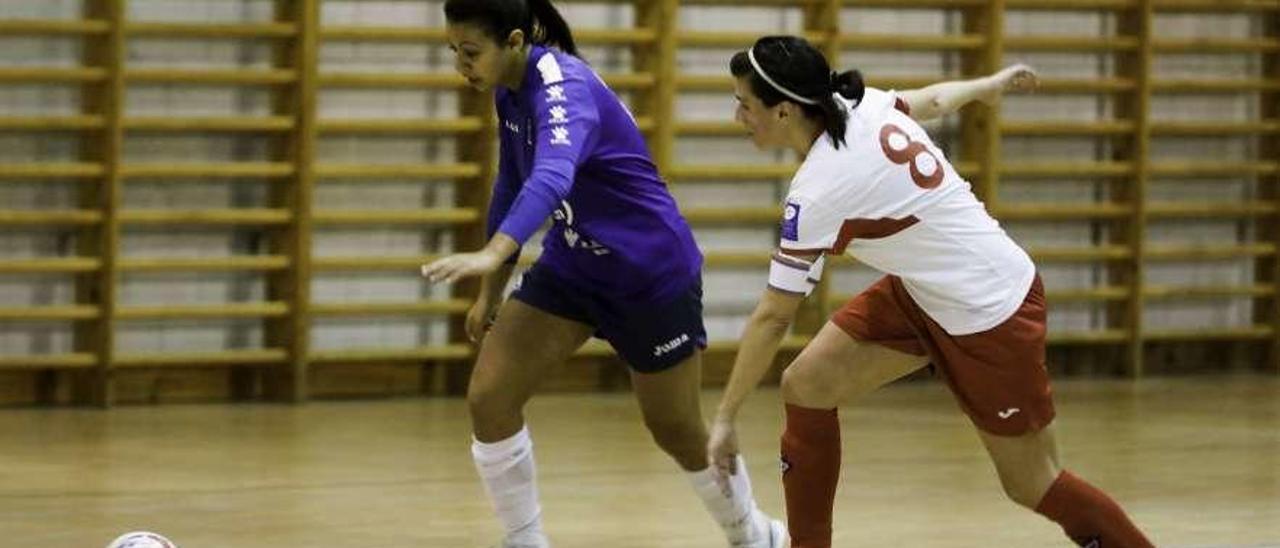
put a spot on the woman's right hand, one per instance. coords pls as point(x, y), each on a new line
point(722, 447)
point(479, 318)
point(1019, 78)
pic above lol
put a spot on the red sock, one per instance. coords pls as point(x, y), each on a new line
point(811, 470)
point(1089, 516)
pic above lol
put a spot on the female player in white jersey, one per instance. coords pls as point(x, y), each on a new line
point(958, 292)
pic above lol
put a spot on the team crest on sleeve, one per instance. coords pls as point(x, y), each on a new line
point(791, 221)
point(559, 114)
point(555, 94)
point(560, 136)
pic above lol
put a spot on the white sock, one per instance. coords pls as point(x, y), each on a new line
point(509, 476)
point(731, 504)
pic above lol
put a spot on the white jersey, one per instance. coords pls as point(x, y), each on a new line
point(890, 198)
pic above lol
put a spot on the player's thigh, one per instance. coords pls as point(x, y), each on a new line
point(835, 368)
point(662, 344)
point(1000, 376)
point(524, 343)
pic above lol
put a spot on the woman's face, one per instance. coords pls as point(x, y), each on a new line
point(764, 124)
point(478, 58)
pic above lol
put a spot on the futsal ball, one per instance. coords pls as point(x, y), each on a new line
point(141, 539)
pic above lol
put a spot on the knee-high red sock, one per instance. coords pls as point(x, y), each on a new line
point(1089, 516)
point(811, 470)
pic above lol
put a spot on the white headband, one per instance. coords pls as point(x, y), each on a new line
point(751, 54)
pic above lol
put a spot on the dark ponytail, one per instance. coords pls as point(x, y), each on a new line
point(552, 28)
point(801, 70)
point(540, 21)
point(835, 117)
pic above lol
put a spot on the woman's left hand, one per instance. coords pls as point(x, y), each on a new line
point(461, 265)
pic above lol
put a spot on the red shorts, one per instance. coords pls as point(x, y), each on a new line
point(998, 376)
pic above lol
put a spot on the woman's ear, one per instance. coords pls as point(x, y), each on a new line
point(786, 110)
point(516, 39)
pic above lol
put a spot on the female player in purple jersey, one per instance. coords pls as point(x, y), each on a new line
point(619, 262)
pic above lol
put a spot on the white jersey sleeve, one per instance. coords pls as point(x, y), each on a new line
point(807, 226)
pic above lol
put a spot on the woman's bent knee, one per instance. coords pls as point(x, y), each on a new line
point(1027, 496)
point(495, 415)
point(804, 385)
point(684, 440)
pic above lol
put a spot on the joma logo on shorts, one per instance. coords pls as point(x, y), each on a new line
point(671, 345)
point(1008, 412)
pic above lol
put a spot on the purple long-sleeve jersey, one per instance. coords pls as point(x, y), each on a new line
point(571, 150)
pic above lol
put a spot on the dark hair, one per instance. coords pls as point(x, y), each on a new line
point(799, 68)
point(539, 20)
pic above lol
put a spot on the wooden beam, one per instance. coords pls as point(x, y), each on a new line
point(228, 170)
point(1136, 108)
point(63, 217)
point(255, 263)
point(70, 170)
point(434, 216)
point(1197, 6)
point(449, 352)
point(227, 310)
point(62, 265)
point(50, 313)
point(165, 29)
point(395, 126)
point(212, 217)
point(1269, 270)
point(358, 172)
point(51, 75)
point(1071, 43)
point(210, 124)
point(291, 334)
point(189, 360)
point(105, 53)
point(211, 77)
point(420, 308)
point(82, 361)
point(54, 27)
point(49, 123)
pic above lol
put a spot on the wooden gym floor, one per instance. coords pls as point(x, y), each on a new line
point(1196, 461)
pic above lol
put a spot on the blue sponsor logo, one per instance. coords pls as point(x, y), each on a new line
point(791, 222)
